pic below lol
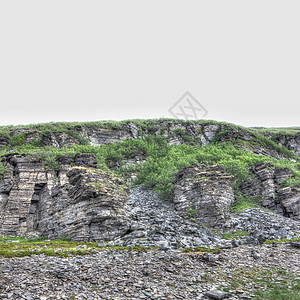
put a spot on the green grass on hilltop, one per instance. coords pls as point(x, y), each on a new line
point(163, 161)
point(291, 131)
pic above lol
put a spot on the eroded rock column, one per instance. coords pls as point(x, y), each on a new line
point(204, 193)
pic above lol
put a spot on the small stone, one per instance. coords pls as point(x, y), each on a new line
point(295, 244)
point(255, 255)
point(211, 257)
point(81, 247)
point(216, 294)
point(234, 243)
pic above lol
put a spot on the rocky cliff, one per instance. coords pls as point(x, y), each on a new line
point(73, 180)
point(289, 140)
point(175, 131)
point(80, 201)
point(204, 194)
point(269, 183)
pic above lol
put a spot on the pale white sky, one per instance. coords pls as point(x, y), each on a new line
point(98, 60)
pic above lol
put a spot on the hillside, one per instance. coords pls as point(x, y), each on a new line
point(263, 164)
point(177, 193)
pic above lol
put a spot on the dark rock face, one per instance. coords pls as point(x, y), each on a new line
point(86, 160)
point(85, 203)
point(32, 136)
point(292, 142)
point(265, 174)
point(204, 193)
point(57, 139)
point(4, 141)
point(90, 204)
point(290, 201)
point(91, 207)
point(98, 136)
point(268, 182)
point(24, 173)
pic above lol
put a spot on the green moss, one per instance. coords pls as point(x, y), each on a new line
point(231, 235)
point(217, 138)
point(64, 247)
point(65, 237)
point(269, 144)
point(269, 283)
point(201, 249)
point(297, 239)
point(241, 202)
point(287, 286)
point(2, 169)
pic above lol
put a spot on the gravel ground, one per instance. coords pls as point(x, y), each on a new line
point(154, 274)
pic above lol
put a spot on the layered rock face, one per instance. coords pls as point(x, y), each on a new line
point(21, 186)
point(82, 202)
point(91, 204)
point(268, 182)
point(176, 132)
point(4, 141)
point(291, 142)
point(204, 193)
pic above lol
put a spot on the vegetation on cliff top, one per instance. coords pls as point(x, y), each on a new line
point(162, 161)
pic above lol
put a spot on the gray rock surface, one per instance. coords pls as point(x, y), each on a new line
point(92, 205)
point(262, 225)
point(204, 193)
point(4, 141)
point(145, 275)
point(291, 142)
point(268, 183)
point(83, 202)
point(57, 139)
point(157, 223)
point(216, 294)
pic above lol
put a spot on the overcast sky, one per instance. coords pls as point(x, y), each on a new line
point(99, 60)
